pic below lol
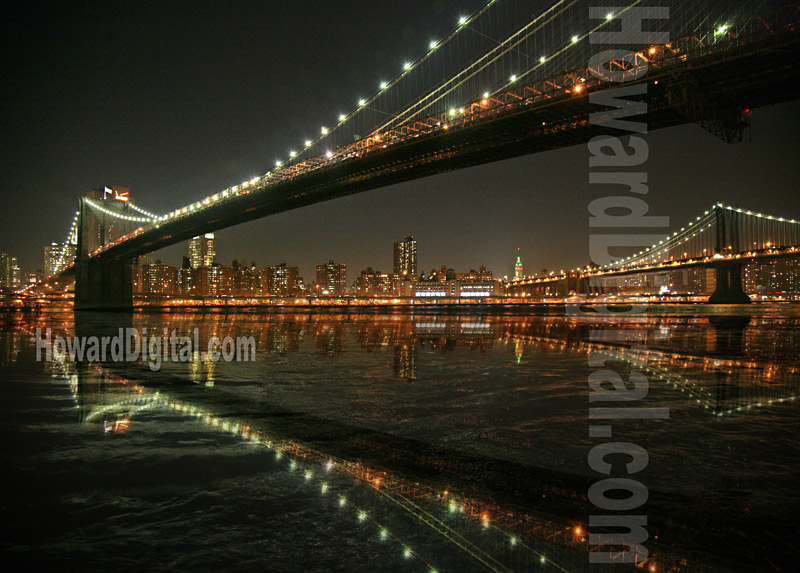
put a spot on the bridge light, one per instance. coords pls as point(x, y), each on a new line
point(513, 77)
point(575, 39)
point(407, 66)
point(324, 130)
point(307, 142)
point(384, 85)
point(329, 153)
point(542, 59)
point(452, 111)
point(722, 29)
point(485, 94)
point(342, 117)
point(362, 102)
point(277, 164)
point(462, 20)
point(433, 45)
point(610, 16)
point(292, 154)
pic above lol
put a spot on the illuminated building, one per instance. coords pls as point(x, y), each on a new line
point(247, 280)
point(187, 281)
point(280, 280)
point(450, 289)
point(6, 275)
point(202, 252)
point(332, 279)
point(16, 273)
point(473, 275)
point(375, 283)
point(405, 257)
point(33, 277)
point(772, 276)
point(518, 270)
point(57, 254)
point(217, 281)
point(160, 278)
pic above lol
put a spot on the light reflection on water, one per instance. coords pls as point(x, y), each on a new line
point(492, 409)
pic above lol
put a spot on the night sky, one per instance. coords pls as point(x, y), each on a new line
point(178, 100)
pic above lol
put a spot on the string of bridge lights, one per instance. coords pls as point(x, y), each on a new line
point(363, 103)
point(142, 211)
point(408, 67)
point(759, 215)
point(383, 85)
point(117, 215)
point(67, 242)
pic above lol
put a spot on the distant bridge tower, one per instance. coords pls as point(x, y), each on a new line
point(729, 289)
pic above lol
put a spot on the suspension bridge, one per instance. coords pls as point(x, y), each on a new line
point(723, 238)
point(504, 83)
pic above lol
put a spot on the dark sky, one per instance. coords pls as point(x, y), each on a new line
point(178, 100)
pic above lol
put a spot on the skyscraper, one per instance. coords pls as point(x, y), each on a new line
point(332, 279)
point(57, 256)
point(405, 257)
point(6, 276)
point(202, 251)
point(518, 271)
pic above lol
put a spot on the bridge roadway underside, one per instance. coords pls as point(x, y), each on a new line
point(750, 77)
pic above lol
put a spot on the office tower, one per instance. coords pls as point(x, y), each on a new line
point(405, 257)
point(202, 252)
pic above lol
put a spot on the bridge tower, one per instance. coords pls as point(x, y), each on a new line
point(728, 272)
point(102, 285)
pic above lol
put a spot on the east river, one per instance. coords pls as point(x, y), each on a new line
point(407, 441)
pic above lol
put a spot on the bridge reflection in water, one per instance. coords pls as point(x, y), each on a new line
point(499, 512)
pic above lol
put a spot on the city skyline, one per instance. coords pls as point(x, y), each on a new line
point(479, 215)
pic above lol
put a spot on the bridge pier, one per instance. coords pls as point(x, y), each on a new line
point(729, 284)
point(104, 285)
point(99, 285)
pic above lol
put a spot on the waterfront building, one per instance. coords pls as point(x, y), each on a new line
point(772, 276)
point(450, 289)
point(375, 283)
point(160, 278)
point(281, 280)
point(332, 279)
